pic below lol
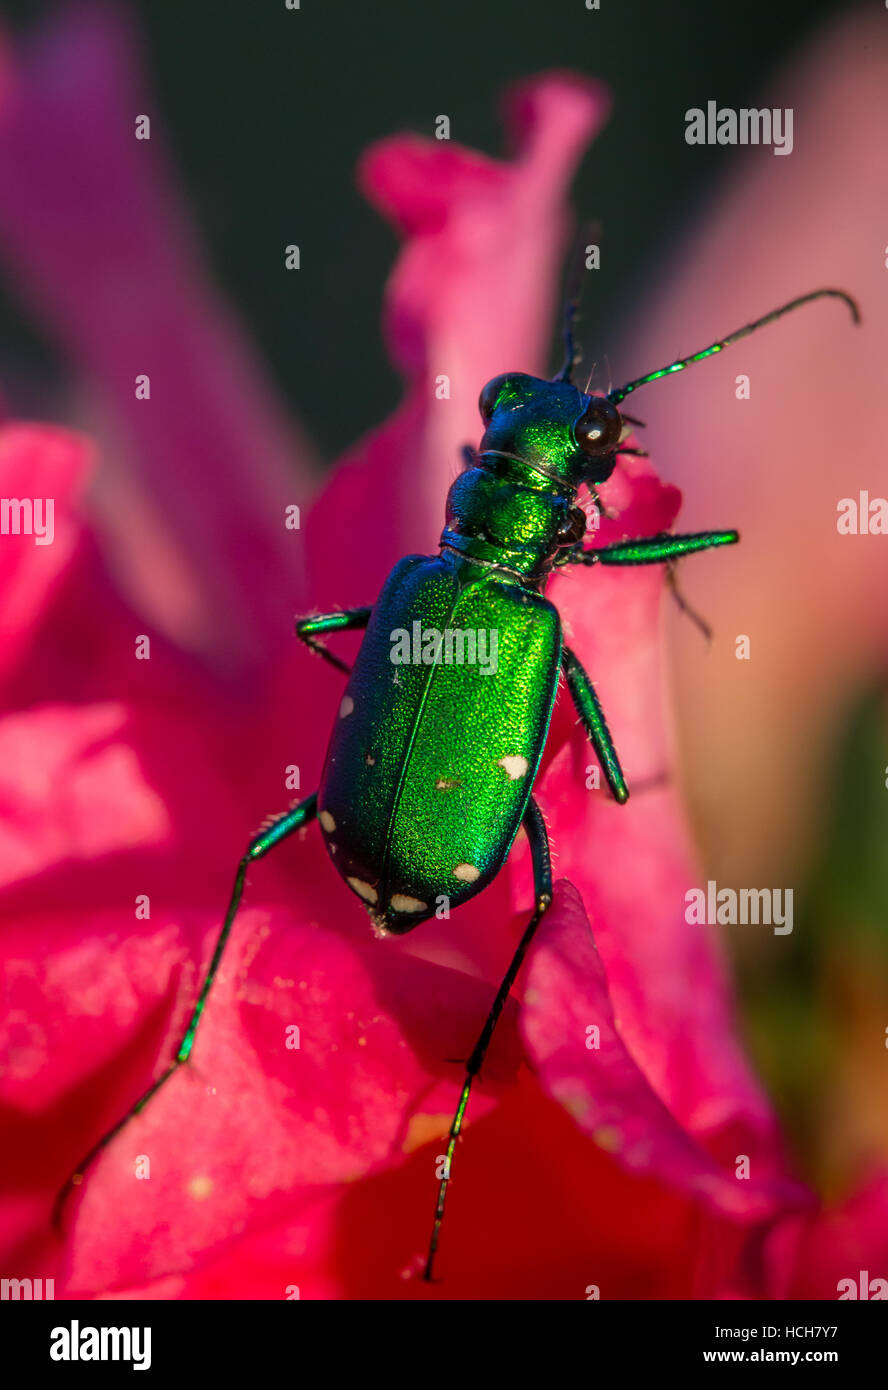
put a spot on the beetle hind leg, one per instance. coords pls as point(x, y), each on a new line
point(535, 828)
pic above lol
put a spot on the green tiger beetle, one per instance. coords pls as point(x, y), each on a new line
point(429, 772)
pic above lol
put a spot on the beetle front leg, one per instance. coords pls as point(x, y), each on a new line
point(654, 550)
point(347, 620)
point(589, 709)
point(664, 549)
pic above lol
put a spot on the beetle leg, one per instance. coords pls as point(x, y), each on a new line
point(535, 828)
point(655, 550)
point(276, 830)
point(683, 604)
point(347, 620)
point(469, 456)
point(589, 709)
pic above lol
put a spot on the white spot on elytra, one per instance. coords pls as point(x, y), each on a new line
point(466, 873)
point(364, 890)
point(401, 902)
point(515, 766)
point(327, 822)
point(346, 707)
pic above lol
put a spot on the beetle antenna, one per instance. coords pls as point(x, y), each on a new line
point(623, 391)
point(573, 289)
point(570, 352)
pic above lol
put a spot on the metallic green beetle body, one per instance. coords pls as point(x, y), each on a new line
point(430, 766)
point(431, 763)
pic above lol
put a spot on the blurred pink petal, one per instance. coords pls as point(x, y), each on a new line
point(848, 1242)
point(756, 734)
point(92, 228)
point(70, 788)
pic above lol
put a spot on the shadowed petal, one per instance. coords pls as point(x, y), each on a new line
point(575, 1037)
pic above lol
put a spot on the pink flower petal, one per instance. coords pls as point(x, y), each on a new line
point(71, 789)
point(845, 1251)
point(252, 1128)
point(601, 1085)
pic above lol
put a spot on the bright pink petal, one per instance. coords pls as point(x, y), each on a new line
point(252, 1128)
point(536, 1211)
point(71, 789)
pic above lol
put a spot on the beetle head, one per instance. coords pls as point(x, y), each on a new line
point(551, 424)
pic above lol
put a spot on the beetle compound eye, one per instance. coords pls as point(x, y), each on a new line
point(598, 431)
point(489, 396)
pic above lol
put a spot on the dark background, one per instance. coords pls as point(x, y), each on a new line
point(266, 111)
